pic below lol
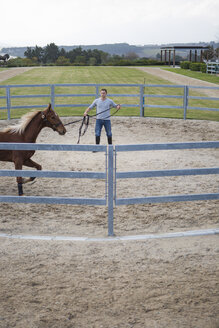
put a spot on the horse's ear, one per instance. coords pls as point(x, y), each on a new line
point(48, 108)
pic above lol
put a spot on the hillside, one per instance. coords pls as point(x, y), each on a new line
point(149, 51)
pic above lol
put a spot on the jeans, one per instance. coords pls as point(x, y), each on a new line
point(100, 124)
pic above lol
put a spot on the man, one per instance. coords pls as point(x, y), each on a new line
point(103, 115)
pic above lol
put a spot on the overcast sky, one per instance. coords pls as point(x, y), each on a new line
point(84, 22)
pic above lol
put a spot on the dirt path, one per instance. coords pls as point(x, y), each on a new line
point(11, 72)
point(182, 80)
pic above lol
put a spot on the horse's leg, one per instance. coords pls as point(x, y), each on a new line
point(30, 163)
point(18, 166)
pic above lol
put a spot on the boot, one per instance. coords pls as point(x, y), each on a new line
point(97, 143)
point(110, 141)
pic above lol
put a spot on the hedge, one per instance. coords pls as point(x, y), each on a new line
point(193, 66)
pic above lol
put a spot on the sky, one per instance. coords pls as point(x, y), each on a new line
point(86, 22)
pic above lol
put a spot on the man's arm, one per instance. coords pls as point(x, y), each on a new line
point(117, 106)
point(86, 111)
point(90, 107)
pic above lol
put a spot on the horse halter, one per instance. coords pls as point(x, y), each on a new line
point(44, 118)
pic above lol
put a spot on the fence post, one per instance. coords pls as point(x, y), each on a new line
point(141, 100)
point(110, 190)
point(52, 96)
point(97, 91)
point(8, 97)
point(185, 100)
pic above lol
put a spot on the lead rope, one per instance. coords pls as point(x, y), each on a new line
point(85, 122)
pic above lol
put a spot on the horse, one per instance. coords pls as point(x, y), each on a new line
point(5, 57)
point(26, 131)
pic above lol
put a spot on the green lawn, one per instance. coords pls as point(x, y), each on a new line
point(197, 75)
point(100, 75)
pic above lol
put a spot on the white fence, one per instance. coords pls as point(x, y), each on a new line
point(212, 68)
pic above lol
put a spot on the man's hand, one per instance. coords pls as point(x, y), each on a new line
point(118, 106)
point(85, 113)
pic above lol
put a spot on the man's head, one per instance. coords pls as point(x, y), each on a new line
point(103, 93)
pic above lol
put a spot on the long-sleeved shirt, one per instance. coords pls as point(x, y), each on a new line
point(103, 108)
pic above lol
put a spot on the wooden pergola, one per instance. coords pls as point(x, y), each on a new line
point(168, 51)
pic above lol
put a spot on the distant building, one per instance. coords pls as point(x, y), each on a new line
point(168, 54)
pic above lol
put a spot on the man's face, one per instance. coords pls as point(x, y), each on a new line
point(103, 94)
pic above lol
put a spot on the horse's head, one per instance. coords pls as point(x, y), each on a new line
point(52, 120)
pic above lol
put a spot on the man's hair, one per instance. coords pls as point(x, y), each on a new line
point(103, 90)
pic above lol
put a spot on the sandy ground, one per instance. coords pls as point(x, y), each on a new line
point(166, 283)
point(155, 283)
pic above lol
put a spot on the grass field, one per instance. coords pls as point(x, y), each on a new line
point(100, 75)
point(212, 78)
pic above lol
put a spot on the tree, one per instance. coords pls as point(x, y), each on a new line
point(208, 54)
point(72, 54)
point(131, 55)
point(38, 53)
point(105, 57)
point(96, 54)
point(80, 60)
point(217, 53)
point(29, 53)
point(92, 61)
point(51, 53)
point(62, 52)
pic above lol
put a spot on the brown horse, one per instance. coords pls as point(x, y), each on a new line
point(26, 132)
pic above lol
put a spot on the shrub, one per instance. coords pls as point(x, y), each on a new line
point(92, 61)
point(195, 66)
point(123, 62)
point(62, 61)
point(21, 62)
point(146, 62)
point(203, 67)
point(16, 62)
point(185, 64)
point(29, 62)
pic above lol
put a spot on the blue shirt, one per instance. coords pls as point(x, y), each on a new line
point(103, 108)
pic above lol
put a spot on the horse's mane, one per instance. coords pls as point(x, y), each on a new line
point(23, 123)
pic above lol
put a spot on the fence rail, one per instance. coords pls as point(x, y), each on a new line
point(164, 173)
point(142, 96)
point(55, 174)
point(111, 175)
point(212, 68)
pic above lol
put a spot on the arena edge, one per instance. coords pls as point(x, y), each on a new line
point(186, 104)
point(111, 175)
